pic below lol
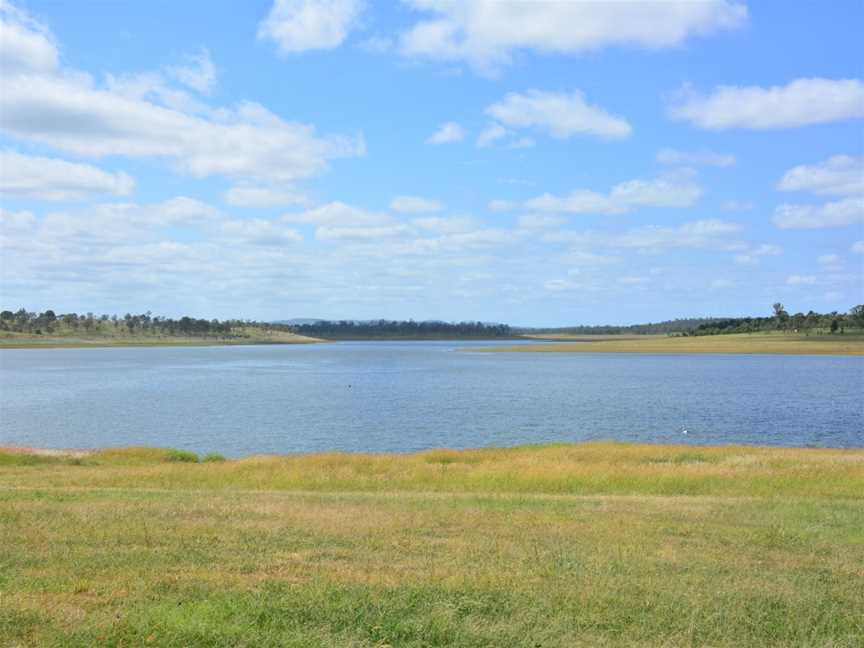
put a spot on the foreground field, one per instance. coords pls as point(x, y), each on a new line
point(582, 545)
point(772, 343)
point(79, 339)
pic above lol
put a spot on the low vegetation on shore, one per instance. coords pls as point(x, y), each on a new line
point(757, 343)
point(567, 545)
point(23, 329)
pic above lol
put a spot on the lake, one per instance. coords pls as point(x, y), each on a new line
point(404, 396)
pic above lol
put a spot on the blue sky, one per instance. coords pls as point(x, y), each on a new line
point(535, 163)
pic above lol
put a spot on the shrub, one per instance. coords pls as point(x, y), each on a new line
point(181, 456)
point(213, 457)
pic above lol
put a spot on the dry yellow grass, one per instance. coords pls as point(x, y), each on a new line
point(757, 343)
point(251, 335)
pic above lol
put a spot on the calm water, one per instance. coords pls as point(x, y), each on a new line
point(402, 396)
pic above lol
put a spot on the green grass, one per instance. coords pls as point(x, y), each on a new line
point(564, 545)
point(758, 343)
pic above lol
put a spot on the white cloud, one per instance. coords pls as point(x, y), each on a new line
point(144, 116)
point(849, 211)
point(830, 262)
point(257, 197)
point(582, 259)
point(753, 255)
point(257, 231)
point(441, 225)
point(800, 280)
point(338, 214)
point(199, 74)
point(414, 205)
point(52, 179)
point(695, 158)
point(492, 133)
point(486, 33)
point(447, 133)
point(25, 45)
point(558, 114)
point(698, 234)
point(672, 191)
point(858, 247)
point(300, 25)
point(802, 102)
point(719, 284)
point(501, 205)
point(841, 175)
point(327, 233)
point(245, 142)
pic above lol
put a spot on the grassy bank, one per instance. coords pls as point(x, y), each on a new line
point(585, 545)
point(759, 343)
point(112, 338)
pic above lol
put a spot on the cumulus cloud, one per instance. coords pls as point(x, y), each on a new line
point(246, 142)
point(338, 214)
point(53, 179)
point(490, 134)
point(858, 247)
point(486, 33)
point(753, 255)
point(561, 115)
point(25, 45)
point(840, 175)
point(447, 133)
point(698, 234)
point(143, 116)
point(199, 73)
point(301, 25)
point(501, 205)
point(694, 158)
point(260, 197)
point(802, 102)
point(672, 191)
point(258, 231)
point(415, 205)
point(800, 280)
point(849, 211)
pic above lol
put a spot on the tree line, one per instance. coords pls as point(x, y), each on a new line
point(682, 325)
point(349, 329)
point(146, 324)
point(780, 320)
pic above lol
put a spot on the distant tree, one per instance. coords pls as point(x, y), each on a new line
point(780, 315)
point(856, 314)
point(835, 324)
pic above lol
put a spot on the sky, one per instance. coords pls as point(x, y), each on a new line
point(535, 163)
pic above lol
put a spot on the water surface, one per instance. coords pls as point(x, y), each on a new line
point(404, 396)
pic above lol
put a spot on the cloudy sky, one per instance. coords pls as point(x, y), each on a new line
point(535, 163)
